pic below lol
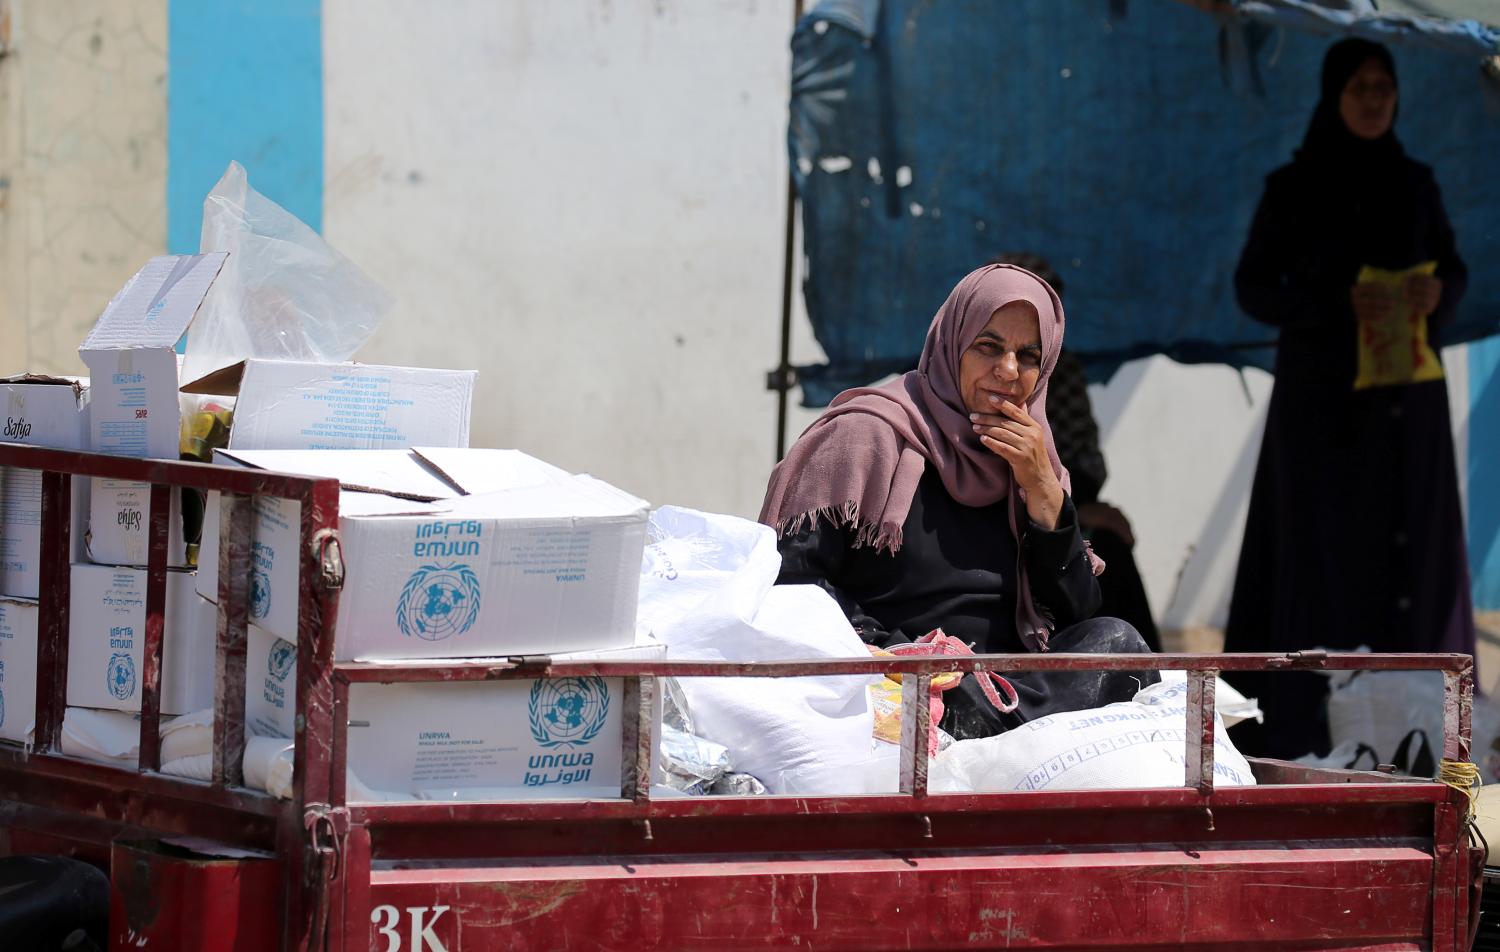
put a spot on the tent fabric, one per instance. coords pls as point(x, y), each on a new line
point(1126, 142)
point(1450, 26)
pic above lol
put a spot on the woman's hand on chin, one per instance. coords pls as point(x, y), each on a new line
point(1011, 434)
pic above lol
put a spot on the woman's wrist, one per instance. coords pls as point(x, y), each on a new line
point(1044, 502)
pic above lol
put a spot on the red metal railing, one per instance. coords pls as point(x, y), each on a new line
point(322, 838)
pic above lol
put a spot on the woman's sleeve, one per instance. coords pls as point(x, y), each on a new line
point(1444, 249)
point(1270, 285)
point(1058, 569)
point(816, 556)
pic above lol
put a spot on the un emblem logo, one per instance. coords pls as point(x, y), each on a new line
point(120, 672)
point(439, 601)
point(260, 594)
point(568, 712)
point(279, 662)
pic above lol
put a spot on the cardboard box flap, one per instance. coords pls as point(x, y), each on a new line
point(564, 500)
point(224, 382)
point(157, 304)
point(357, 502)
point(389, 472)
point(475, 471)
point(79, 384)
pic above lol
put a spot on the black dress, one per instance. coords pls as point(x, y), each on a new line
point(1354, 533)
point(956, 570)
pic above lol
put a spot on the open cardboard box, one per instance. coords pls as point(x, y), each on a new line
point(539, 561)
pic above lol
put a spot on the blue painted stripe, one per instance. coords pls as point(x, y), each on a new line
point(244, 81)
point(1484, 472)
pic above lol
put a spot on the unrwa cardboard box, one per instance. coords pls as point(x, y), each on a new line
point(270, 684)
point(134, 409)
point(537, 569)
point(377, 481)
point(292, 405)
point(558, 737)
point(549, 564)
point(18, 624)
point(107, 638)
point(39, 411)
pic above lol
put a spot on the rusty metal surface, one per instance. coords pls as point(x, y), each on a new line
point(52, 623)
point(314, 873)
point(916, 724)
point(168, 898)
point(942, 900)
point(492, 670)
point(157, 526)
point(637, 733)
point(1199, 755)
point(235, 543)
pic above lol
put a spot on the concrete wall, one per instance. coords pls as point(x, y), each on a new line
point(82, 168)
point(584, 200)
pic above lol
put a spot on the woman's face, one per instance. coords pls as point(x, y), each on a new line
point(1368, 105)
point(1004, 362)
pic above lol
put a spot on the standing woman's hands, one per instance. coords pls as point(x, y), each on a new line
point(1423, 293)
point(1015, 437)
point(1373, 303)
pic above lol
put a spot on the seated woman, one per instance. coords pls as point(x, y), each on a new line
point(937, 501)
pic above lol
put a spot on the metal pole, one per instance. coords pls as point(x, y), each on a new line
point(782, 377)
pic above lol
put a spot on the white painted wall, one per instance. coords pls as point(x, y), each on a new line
point(83, 123)
point(586, 202)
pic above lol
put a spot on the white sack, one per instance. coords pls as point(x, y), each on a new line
point(708, 590)
point(1228, 703)
point(1380, 708)
point(1132, 744)
point(109, 737)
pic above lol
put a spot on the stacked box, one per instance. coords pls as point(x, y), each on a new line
point(107, 638)
point(39, 411)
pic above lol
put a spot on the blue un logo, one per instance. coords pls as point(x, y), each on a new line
point(282, 657)
point(260, 594)
point(120, 672)
point(568, 712)
point(438, 601)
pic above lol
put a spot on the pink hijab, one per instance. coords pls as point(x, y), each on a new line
point(859, 463)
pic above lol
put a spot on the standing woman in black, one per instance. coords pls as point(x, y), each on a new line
point(1354, 534)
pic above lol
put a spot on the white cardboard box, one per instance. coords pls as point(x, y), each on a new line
point(39, 411)
point(549, 565)
point(107, 637)
point(131, 357)
point(539, 569)
point(512, 739)
point(134, 409)
point(291, 405)
point(270, 684)
point(277, 522)
point(18, 625)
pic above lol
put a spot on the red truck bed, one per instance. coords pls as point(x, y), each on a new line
point(1308, 859)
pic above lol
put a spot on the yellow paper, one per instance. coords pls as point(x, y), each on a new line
point(1394, 350)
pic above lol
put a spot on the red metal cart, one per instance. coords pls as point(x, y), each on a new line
point(1309, 858)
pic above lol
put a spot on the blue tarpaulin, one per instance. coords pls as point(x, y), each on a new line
point(1125, 141)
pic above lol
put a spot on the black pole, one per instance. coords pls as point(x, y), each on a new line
point(782, 377)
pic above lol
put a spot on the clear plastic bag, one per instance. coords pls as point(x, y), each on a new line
point(284, 293)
